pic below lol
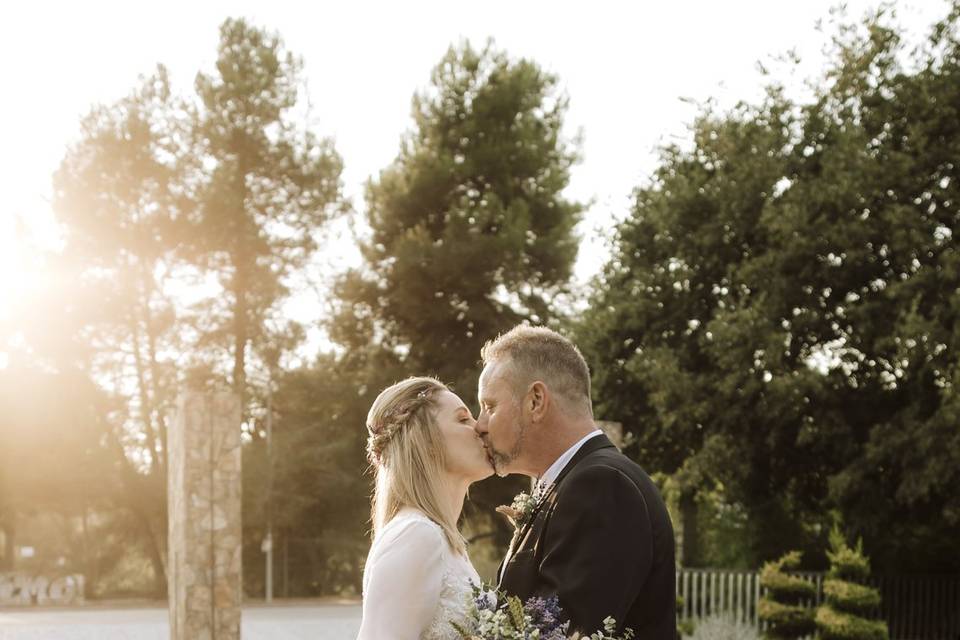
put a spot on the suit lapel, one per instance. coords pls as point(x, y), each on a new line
point(591, 445)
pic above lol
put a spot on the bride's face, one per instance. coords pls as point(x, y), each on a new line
point(466, 456)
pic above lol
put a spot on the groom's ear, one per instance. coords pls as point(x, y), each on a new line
point(538, 400)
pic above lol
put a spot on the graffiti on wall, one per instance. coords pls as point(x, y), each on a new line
point(25, 590)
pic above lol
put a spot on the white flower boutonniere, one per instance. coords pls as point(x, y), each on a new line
point(520, 510)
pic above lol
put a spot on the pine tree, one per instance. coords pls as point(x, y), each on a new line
point(470, 231)
point(269, 185)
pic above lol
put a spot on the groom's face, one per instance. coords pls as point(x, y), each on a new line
point(500, 423)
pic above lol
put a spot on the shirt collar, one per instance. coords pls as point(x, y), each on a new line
point(554, 470)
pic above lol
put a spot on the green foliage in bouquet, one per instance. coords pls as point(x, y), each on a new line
point(848, 600)
point(781, 606)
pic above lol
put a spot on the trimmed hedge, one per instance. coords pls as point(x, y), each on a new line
point(836, 625)
point(785, 620)
point(849, 597)
point(780, 607)
point(840, 618)
point(848, 564)
point(786, 588)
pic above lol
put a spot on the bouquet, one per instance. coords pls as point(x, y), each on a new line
point(491, 615)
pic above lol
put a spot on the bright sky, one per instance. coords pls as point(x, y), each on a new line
point(625, 66)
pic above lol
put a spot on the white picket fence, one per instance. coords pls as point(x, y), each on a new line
point(915, 607)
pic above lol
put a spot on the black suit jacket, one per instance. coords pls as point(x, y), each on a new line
point(601, 539)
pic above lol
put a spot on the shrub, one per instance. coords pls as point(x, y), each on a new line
point(847, 600)
point(836, 625)
point(784, 587)
point(781, 605)
point(785, 620)
point(850, 597)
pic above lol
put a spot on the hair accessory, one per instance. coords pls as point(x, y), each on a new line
point(392, 422)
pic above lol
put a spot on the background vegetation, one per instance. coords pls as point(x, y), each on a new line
point(776, 327)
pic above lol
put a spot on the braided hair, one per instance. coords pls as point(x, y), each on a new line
point(383, 427)
point(406, 450)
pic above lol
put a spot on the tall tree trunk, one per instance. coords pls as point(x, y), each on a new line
point(146, 406)
point(690, 527)
point(159, 422)
point(240, 335)
point(240, 284)
point(91, 573)
point(9, 536)
point(156, 555)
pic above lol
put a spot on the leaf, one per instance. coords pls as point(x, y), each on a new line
point(515, 607)
point(464, 634)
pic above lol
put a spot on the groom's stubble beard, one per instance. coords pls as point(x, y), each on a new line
point(501, 460)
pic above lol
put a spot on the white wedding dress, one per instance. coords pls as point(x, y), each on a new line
point(414, 584)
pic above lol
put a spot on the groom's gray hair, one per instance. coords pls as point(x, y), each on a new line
point(539, 353)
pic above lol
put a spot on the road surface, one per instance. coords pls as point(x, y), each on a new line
point(280, 622)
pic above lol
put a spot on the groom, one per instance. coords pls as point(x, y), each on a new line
point(599, 536)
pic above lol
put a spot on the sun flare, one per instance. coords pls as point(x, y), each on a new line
point(17, 275)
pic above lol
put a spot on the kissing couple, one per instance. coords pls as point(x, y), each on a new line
point(595, 534)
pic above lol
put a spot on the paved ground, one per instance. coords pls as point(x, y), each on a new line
point(282, 622)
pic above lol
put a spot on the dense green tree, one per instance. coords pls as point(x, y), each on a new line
point(470, 232)
point(672, 354)
point(895, 311)
point(267, 187)
point(779, 318)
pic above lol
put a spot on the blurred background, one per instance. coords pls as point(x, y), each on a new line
point(743, 213)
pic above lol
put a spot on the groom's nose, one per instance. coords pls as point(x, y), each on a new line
point(481, 425)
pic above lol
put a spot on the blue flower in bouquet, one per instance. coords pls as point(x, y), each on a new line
point(545, 615)
point(485, 600)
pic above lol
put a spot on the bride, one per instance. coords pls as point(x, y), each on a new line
point(425, 453)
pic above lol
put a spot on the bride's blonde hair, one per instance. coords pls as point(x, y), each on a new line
point(405, 448)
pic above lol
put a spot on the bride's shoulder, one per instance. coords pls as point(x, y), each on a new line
point(411, 525)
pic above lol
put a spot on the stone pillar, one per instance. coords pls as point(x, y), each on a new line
point(204, 570)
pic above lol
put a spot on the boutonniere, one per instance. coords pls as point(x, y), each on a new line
point(523, 505)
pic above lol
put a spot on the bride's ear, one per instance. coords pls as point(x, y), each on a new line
point(538, 401)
